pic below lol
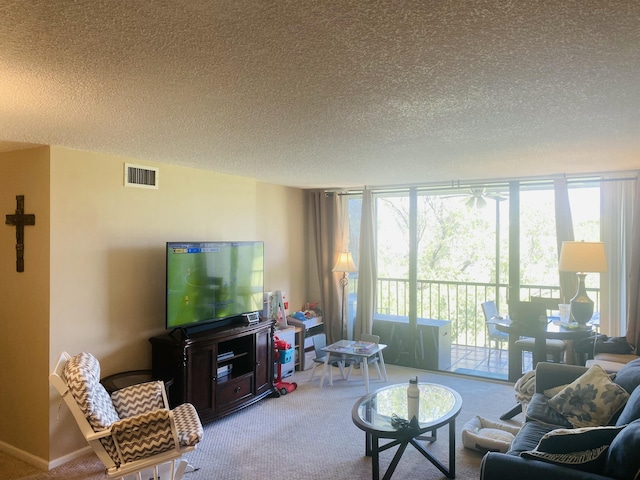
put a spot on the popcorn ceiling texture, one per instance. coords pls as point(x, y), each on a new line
point(339, 93)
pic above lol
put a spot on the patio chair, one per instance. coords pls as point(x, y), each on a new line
point(132, 432)
point(491, 316)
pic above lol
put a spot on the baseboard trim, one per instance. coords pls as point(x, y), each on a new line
point(69, 457)
point(39, 462)
point(26, 457)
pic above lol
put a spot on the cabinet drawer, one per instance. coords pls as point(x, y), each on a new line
point(234, 390)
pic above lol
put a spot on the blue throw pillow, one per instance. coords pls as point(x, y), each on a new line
point(631, 410)
point(622, 459)
point(628, 377)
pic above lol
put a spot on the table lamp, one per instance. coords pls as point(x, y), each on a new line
point(345, 265)
point(582, 258)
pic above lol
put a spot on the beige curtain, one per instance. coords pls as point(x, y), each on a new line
point(325, 219)
point(633, 314)
point(616, 220)
point(367, 268)
point(564, 232)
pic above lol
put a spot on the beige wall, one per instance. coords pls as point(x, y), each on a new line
point(24, 306)
point(107, 261)
point(281, 224)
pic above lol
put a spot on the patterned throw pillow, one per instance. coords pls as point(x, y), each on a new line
point(591, 400)
point(580, 448)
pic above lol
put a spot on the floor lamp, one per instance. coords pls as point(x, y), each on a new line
point(344, 265)
point(582, 258)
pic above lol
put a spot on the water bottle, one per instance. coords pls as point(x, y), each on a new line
point(413, 399)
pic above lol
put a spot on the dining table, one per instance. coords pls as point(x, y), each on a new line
point(540, 331)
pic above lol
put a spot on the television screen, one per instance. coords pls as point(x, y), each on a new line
point(211, 281)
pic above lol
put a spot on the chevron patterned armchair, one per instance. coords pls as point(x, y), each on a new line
point(133, 432)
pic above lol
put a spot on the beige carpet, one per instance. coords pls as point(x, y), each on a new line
point(308, 434)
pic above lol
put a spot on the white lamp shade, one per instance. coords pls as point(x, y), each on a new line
point(583, 257)
point(345, 263)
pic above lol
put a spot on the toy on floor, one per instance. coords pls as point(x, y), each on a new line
point(283, 354)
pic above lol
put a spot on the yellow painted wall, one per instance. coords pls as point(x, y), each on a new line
point(24, 307)
point(107, 265)
point(281, 223)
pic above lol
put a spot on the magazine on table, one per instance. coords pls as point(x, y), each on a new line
point(363, 347)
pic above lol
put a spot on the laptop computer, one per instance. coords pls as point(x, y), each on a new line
point(528, 313)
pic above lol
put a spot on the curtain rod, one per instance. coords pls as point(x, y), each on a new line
point(459, 184)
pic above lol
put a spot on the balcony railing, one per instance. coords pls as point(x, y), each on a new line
point(458, 302)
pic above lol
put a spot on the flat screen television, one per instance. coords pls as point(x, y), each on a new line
point(212, 281)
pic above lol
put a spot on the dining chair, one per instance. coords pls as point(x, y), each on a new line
point(555, 348)
point(550, 302)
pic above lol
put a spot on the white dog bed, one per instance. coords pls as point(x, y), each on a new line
point(488, 436)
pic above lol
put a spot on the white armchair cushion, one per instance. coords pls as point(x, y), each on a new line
point(82, 374)
point(144, 435)
point(188, 425)
point(137, 399)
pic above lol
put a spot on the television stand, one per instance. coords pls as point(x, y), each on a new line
point(219, 370)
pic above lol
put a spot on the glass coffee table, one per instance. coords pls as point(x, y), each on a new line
point(373, 413)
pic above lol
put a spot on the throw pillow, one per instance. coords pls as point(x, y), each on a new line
point(591, 400)
point(540, 411)
point(553, 391)
point(622, 460)
point(580, 448)
point(628, 377)
point(631, 410)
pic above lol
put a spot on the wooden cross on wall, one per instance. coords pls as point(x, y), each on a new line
point(19, 220)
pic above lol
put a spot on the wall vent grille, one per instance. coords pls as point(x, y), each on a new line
point(140, 176)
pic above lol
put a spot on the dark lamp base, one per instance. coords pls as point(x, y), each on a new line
point(581, 304)
point(581, 311)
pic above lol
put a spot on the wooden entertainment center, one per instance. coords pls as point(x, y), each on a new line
point(219, 370)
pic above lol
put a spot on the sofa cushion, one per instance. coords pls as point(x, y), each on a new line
point(628, 377)
point(529, 436)
point(580, 448)
point(539, 410)
point(631, 410)
point(622, 459)
point(591, 400)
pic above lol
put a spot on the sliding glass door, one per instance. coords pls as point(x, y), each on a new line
point(441, 252)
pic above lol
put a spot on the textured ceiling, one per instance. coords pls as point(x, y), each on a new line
point(337, 93)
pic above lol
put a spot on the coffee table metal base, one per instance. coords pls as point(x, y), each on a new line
point(374, 413)
point(373, 449)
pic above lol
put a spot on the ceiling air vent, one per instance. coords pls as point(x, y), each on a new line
point(139, 176)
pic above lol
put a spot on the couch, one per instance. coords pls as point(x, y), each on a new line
point(612, 362)
point(581, 423)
